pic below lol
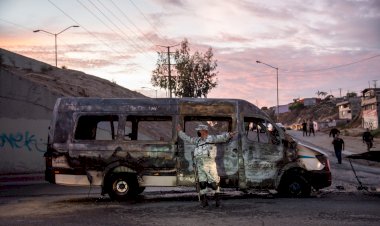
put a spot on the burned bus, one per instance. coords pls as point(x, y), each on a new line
point(125, 145)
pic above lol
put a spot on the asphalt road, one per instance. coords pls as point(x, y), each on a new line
point(341, 204)
point(367, 172)
point(47, 204)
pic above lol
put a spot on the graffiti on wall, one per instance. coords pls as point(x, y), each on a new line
point(370, 119)
point(22, 141)
point(370, 124)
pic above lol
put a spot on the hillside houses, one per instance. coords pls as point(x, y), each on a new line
point(370, 104)
point(363, 110)
point(349, 108)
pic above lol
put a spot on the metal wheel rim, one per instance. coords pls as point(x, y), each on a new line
point(121, 186)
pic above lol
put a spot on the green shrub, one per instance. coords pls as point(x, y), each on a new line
point(45, 68)
point(375, 133)
point(296, 106)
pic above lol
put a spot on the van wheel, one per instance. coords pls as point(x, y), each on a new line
point(122, 186)
point(295, 186)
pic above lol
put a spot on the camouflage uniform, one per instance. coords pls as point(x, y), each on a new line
point(204, 156)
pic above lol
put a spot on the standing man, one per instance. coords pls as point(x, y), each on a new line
point(338, 147)
point(204, 156)
point(311, 128)
point(368, 139)
point(304, 128)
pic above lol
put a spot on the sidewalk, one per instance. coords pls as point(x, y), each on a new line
point(22, 179)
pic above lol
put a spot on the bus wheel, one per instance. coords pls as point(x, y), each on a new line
point(295, 186)
point(122, 186)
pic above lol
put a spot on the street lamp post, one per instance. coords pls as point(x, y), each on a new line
point(150, 89)
point(259, 62)
point(55, 39)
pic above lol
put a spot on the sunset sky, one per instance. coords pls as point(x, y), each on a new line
point(317, 45)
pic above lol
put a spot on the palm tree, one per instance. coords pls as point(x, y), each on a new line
point(321, 93)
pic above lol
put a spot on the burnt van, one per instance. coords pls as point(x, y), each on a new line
point(125, 145)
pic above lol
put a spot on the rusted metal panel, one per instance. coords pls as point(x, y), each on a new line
point(205, 108)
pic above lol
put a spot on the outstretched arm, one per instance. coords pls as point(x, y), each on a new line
point(184, 136)
point(223, 137)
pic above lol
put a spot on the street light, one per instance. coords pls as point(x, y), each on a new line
point(259, 62)
point(150, 89)
point(55, 38)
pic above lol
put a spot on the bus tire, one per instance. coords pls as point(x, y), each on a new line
point(122, 186)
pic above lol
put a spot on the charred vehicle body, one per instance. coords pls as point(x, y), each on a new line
point(125, 145)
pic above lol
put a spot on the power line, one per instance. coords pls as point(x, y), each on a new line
point(137, 28)
point(118, 19)
point(137, 46)
point(112, 30)
point(89, 32)
point(17, 25)
point(21, 27)
point(147, 20)
point(134, 44)
point(334, 67)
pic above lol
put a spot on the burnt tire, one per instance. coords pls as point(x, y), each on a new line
point(122, 186)
point(140, 190)
point(294, 186)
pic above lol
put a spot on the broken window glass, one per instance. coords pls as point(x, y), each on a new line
point(96, 127)
point(155, 128)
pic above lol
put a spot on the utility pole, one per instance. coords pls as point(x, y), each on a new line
point(169, 70)
point(374, 83)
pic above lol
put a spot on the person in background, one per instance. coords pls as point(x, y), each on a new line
point(333, 132)
point(204, 156)
point(311, 127)
point(368, 139)
point(338, 147)
point(304, 128)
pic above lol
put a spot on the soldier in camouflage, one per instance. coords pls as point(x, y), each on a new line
point(204, 156)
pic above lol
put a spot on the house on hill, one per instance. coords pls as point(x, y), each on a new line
point(310, 101)
point(282, 108)
point(370, 103)
point(349, 108)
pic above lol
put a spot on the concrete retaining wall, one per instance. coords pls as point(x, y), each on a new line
point(25, 112)
point(22, 145)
